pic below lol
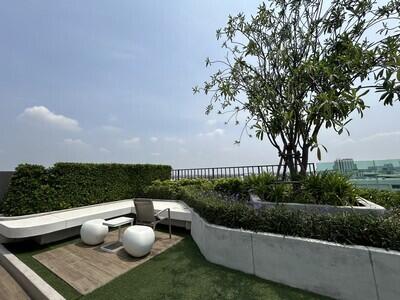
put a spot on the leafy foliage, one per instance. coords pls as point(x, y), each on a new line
point(326, 188)
point(346, 228)
point(301, 65)
point(387, 199)
point(35, 189)
point(330, 187)
point(230, 186)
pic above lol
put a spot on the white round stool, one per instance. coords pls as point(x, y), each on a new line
point(138, 240)
point(93, 232)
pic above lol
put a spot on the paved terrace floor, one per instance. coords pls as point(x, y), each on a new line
point(86, 268)
point(9, 288)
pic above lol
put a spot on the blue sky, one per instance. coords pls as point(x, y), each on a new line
point(111, 81)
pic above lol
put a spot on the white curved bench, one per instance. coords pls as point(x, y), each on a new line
point(35, 225)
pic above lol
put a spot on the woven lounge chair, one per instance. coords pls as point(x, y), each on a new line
point(145, 214)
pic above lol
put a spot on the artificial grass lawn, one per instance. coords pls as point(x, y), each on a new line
point(181, 272)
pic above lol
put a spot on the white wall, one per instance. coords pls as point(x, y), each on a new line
point(334, 270)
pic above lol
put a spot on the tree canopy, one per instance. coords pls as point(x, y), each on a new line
point(301, 65)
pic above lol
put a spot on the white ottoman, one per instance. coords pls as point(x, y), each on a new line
point(93, 232)
point(138, 240)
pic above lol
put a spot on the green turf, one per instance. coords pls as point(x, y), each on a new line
point(181, 272)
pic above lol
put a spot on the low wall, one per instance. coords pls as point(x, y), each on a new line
point(32, 284)
point(366, 207)
point(334, 270)
point(5, 177)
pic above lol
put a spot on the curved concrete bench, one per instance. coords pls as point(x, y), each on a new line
point(38, 225)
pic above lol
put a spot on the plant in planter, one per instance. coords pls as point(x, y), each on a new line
point(329, 188)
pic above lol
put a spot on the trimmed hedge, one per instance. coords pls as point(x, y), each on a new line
point(387, 199)
point(346, 228)
point(324, 188)
point(35, 189)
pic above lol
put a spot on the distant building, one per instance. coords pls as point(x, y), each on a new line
point(345, 166)
point(376, 174)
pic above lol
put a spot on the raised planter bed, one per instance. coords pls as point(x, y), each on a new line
point(330, 269)
point(365, 206)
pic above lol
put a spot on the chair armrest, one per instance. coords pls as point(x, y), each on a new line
point(164, 210)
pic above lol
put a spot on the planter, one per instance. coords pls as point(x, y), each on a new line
point(333, 270)
point(365, 206)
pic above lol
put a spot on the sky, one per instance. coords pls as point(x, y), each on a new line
point(111, 81)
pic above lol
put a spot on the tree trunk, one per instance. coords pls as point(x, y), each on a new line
point(304, 160)
point(289, 161)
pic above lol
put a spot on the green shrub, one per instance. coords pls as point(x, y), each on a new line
point(231, 186)
point(171, 189)
point(29, 188)
point(35, 189)
point(329, 188)
point(346, 228)
point(325, 188)
point(262, 185)
point(387, 199)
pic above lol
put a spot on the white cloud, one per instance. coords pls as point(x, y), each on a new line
point(381, 135)
point(131, 141)
point(154, 139)
point(75, 142)
point(216, 132)
point(183, 150)
point(174, 140)
point(111, 129)
point(112, 118)
point(211, 122)
point(104, 150)
point(41, 114)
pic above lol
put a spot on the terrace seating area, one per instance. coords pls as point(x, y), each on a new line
point(37, 225)
point(89, 267)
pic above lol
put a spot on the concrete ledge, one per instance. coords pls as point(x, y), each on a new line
point(366, 207)
point(33, 285)
point(333, 270)
point(55, 223)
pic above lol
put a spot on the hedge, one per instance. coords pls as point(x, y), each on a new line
point(35, 189)
point(387, 199)
point(346, 228)
point(323, 188)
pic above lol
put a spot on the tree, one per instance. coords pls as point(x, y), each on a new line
point(301, 65)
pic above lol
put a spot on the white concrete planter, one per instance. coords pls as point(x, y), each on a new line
point(57, 225)
point(334, 270)
point(366, 207)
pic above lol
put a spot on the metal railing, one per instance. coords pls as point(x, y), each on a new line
point(227, 172)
